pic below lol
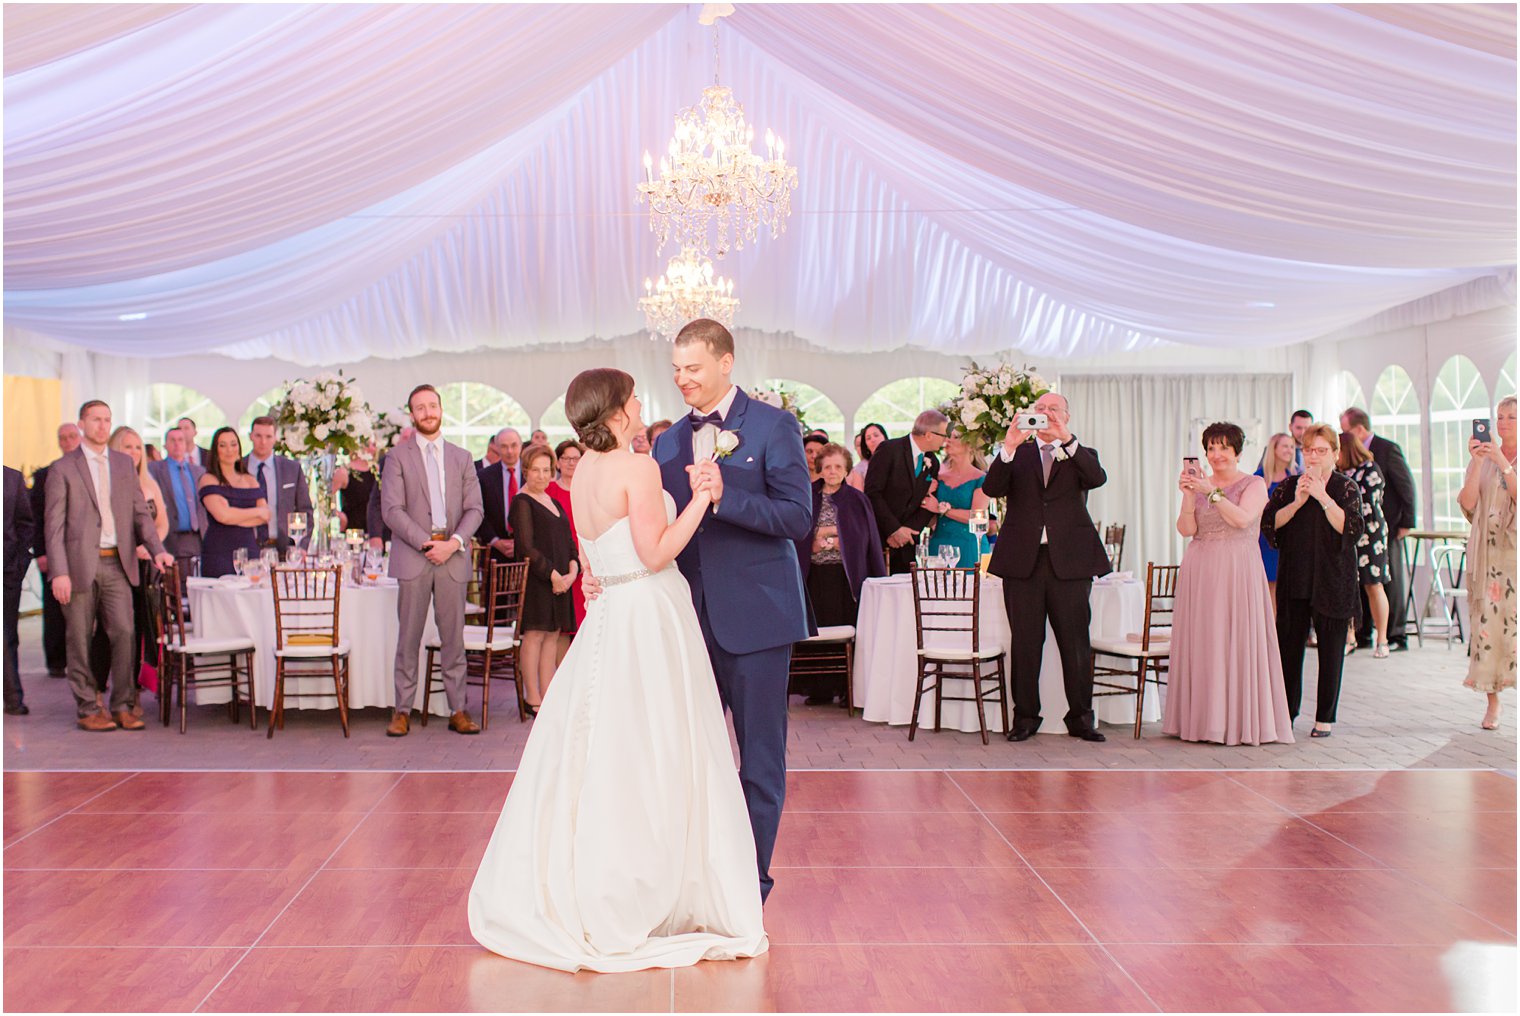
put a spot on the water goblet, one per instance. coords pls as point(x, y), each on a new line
point(240, 560)
point(950, 555)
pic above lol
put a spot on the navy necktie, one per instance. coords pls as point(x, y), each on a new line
point(262, 533)
point(698, 421)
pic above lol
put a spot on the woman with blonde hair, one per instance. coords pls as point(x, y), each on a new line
point(1276, 465)
point(1487, 498)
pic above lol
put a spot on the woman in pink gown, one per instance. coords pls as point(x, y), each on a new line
point(1226, 679)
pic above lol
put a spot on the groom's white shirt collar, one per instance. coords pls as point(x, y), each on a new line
point(725, 404)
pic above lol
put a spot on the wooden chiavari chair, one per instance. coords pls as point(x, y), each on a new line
point(307, 640)
point(491, 649)
point(947, 601)
point(186, 661)
point(1144, 660)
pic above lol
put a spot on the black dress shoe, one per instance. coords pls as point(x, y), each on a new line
point(1401, 646)
point(20, 710)
point(58, 673)
point(1019, 734)
point(1086, 734)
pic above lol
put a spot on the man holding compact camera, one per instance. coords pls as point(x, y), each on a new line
point(1047, 554)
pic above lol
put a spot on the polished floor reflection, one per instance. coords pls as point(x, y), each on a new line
point(896, 891)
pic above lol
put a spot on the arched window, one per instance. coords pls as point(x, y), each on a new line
point(895, 405)
point(474, 412)
point(556, 424)
point(167, 403)
point(259, 407)
point(1458, 398)
point(1506, 385)
point(818, 409)
point(1345, 392)
point(1395, 412)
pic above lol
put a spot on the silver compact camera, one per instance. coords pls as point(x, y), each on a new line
point(1033, 421)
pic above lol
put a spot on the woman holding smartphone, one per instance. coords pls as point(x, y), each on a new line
point(1487, 498)
point(1226, 681)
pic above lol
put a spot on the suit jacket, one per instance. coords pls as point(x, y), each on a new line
point(20, 529)
point(73, 518)
point(407, 508)
point(38, 494)
point(1060, 508)
point(1399, 494)
point(204, 456)
point(294, 494)
point(497, 522)
point(160, 472)
point(896, 492)
point(742, 561)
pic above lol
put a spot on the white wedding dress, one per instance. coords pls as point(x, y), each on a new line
point(625, 842)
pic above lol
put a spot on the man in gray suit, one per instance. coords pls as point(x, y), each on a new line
point(96, 515)
point(283, 483)
point(430, 500)
point(178, 477)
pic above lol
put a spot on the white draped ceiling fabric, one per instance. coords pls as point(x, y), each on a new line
point(325, 183)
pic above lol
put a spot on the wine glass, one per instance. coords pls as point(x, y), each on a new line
point(271, 558)
point(374, 565)
point(949, 555)
point(295, 525)
point(240, 560)
point(924, 557)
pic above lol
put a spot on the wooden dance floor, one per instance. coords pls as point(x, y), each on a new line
point(895, 891)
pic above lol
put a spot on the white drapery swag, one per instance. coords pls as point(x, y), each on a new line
point(329, 182)
point(1143, 424)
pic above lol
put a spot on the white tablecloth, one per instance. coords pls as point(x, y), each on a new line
point(886, 662)
point(367, 619)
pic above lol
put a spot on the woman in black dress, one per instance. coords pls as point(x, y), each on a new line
point(354, 483)
point(1315, 520)
point(234, 503)
point(542, 532)
point(1372, 549)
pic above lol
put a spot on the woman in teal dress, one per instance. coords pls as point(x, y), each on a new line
point(960, 493)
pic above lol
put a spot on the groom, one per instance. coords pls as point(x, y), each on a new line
point(742, 562)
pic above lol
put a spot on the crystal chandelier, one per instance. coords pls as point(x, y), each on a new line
point(711, 178)
point(688, 290)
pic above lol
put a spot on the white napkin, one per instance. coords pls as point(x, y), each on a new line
point(1114, 578)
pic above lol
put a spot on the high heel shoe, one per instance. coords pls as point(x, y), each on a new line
point(1381, 652)
point(1490, 722)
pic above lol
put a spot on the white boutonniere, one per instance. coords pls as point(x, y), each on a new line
point(1059, 453)
point(725, 444)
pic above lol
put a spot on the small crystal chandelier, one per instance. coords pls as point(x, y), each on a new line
point(711, 178)
point(688, 290)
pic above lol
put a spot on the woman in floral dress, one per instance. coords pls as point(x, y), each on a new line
point(1487, 498)
point(1372, 549)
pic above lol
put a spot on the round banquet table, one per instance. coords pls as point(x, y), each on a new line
point(886, 661)
point(366, 619)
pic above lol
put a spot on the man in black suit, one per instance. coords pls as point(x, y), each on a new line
point(1399, 510)
point(1047, 554)
point(900, 482)
point(20, 531)
point(54, 628)
point(499, 483)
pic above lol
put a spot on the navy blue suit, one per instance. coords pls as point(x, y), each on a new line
point(747, 589)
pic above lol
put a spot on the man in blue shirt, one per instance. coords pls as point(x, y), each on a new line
point(179, 477)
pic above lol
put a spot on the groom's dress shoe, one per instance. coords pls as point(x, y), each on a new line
point(399, 726)
point(460, 723)
point(1086, 734)
point(1020, 734)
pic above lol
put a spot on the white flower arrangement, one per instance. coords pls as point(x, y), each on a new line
point(324, 415)
point(780, 398)
point(990, 398)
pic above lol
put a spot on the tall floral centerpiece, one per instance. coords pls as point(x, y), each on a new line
point(317, 420)
point(781, 399)
point(990, 398)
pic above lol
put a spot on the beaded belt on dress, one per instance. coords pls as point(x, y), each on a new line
point(617, 580)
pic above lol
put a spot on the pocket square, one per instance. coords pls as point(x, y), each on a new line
point(750, 459)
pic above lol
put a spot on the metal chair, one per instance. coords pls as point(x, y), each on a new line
point(1448, 564)
point(947, 601)
point(306, 637)
point(1147, 656)
point(491, 649)
point(186, 661)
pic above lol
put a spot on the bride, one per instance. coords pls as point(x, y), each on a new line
point(624, 842)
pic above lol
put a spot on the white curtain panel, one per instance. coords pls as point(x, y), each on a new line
point(330, 182)
point(1141, 426)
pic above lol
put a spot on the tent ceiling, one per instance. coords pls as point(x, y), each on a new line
point(331, 182)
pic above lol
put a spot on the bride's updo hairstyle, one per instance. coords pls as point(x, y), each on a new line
point(593, 398)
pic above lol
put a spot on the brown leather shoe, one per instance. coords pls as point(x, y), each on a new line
point(126, 721)
point(460, 723)
point(97, 722)
point(399, 726)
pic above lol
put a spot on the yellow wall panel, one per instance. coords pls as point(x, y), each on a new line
point(31, 421)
